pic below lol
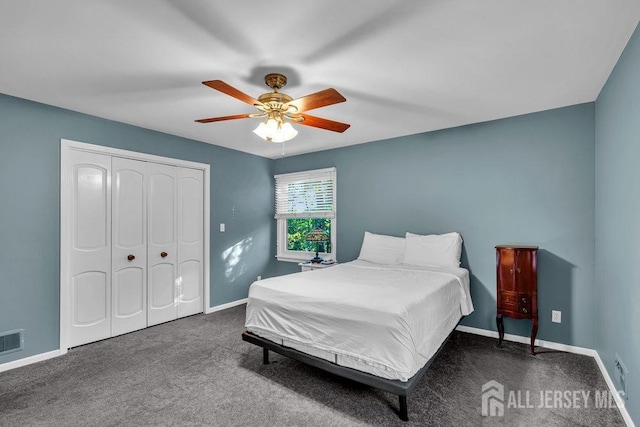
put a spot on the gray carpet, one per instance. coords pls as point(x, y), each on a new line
point(197, 371)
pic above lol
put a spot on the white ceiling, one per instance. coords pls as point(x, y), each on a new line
point(405, 66)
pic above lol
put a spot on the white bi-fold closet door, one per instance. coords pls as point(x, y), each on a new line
point(135, 246)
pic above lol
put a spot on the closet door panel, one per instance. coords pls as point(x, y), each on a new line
point(90, 254)
point(162, 293)
point(90, 307)
point(162, 246)
point(129, 246)
point(128, 294)
point(190, 242)
point(190, 279)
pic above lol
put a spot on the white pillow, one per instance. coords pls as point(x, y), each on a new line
point(437, 250)
point(382, 249)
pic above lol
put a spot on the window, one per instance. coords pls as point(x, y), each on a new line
point(305, 201)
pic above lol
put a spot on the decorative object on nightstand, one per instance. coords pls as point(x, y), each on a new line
point(517, 287)
point(310, 266)
point(318, 236)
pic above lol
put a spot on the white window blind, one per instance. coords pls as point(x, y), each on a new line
point(309, 194)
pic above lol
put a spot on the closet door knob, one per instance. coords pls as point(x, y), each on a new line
point(131, 257)
point(163, 254)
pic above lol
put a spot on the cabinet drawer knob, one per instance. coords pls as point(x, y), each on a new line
point(131, 257)
point(163, 254)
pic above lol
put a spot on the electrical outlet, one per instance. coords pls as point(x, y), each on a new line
point(222, 227)
point(622, 372)
point(556, 316)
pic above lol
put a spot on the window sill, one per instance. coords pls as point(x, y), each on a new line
point(302, 258)
point(291, 259)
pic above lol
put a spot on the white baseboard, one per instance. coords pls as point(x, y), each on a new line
point(560, 347)
point(29, 360)
point(526, 340)
point(225, 306)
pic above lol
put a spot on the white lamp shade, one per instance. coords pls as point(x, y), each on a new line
point(285, 133)
point(270, 131)
point(272, 126)
point(263, 131)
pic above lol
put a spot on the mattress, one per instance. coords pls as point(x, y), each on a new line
point(384, 320)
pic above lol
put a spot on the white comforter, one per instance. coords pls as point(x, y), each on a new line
point(385, 320)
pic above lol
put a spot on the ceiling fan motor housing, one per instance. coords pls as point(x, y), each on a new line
point(274, 99)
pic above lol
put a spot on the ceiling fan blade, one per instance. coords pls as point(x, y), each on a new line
point(219, 119)
point(231, 91)
point(316, 100)
point(318, 122)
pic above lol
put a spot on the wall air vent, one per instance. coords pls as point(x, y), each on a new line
point(11, 341)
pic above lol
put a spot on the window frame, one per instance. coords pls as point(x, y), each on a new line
point(282, 253)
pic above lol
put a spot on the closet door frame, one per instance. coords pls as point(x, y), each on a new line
point(66, 147)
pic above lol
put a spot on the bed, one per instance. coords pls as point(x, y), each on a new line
point(379, 323)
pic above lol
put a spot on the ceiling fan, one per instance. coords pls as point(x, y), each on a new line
point(279, 109)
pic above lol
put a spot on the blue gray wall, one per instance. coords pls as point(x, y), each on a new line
point(30, 133)
point(617, 130)
point(521, 180)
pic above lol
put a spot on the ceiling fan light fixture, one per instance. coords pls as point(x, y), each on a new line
point(273, 130)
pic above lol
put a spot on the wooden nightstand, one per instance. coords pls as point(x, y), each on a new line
point(310, 266)
point(517, 286)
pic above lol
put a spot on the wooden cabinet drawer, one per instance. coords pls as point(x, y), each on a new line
point(515, 301)
point(508, 300)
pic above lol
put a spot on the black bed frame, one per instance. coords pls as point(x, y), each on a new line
point(402, 389)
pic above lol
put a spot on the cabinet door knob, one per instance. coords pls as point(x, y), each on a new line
point(131, 257)
point(524, 310)
point(163, 254)
point(518, 269)
point(511, 271)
